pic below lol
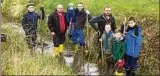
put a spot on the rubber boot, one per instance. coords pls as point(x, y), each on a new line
point(55, 51)
point(133, 73)
point(128, 72)
point(118, 73)
point(61, 48)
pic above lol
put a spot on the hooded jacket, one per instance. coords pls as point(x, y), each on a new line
point(133, 41)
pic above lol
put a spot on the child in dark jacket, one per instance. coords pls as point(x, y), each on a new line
point(29, 24)
point(133, 38)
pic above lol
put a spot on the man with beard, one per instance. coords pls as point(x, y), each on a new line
point(80, 19)
point(102, 20)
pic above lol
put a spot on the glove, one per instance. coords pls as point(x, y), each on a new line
point(87, 12)
point(42, 8)
point(119, 60)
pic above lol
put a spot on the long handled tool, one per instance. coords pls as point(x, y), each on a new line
point(41, 24)
point(102, 54)
point(124, 24)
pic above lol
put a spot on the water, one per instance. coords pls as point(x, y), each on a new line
point(69, 58)
point(90, 69)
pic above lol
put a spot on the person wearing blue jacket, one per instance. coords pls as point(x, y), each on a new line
point(70, 16)
point(133, 38)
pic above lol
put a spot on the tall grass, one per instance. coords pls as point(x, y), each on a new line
point(16, 59)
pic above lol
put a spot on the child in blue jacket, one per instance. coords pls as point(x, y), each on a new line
point(70, 16)
point(133, 38)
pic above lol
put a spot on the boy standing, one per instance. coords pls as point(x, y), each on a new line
point(70, 16)
point(133, 39)
point(118, 46)
point(29, 24)
point(118, 51)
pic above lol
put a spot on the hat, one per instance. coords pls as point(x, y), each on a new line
point(70, 4)
point(30, 4)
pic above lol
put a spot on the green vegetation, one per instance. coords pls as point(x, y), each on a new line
point(16, 59)
point(15, 55)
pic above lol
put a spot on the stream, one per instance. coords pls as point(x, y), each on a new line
point(79, 66)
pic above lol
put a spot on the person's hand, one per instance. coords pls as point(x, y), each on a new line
point(52, 33)
point(98, 33)
point(120, 60)
point(114, 35)
point(100, 39)
point(87, 12)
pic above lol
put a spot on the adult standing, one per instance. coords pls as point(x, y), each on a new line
point(58, 25)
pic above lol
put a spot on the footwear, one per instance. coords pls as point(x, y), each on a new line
point(55, 51)
point(133, 73)
point(61, 48)
point(128, 72)
point(118, 73)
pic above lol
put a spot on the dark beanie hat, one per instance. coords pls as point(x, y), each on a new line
point(30, 4)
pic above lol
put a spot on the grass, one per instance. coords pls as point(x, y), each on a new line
point(17, 61)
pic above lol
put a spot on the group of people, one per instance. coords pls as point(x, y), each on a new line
point(124, 44)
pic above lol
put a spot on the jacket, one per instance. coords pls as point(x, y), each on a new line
point(80, 19)
point(133, 42)
point(54, 22)
point(118, 48)
point(101, 21)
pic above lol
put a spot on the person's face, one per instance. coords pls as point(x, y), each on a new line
point(71, 8)
point(60, 8)
point(80, 7)
point(118, 35)
point(107, 28)
point(107, 11)
point(131, 23)
point(31, 8)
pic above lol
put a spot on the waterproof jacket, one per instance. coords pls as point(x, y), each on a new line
point(118, 48)
point(54, 22)
point(133, 42)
